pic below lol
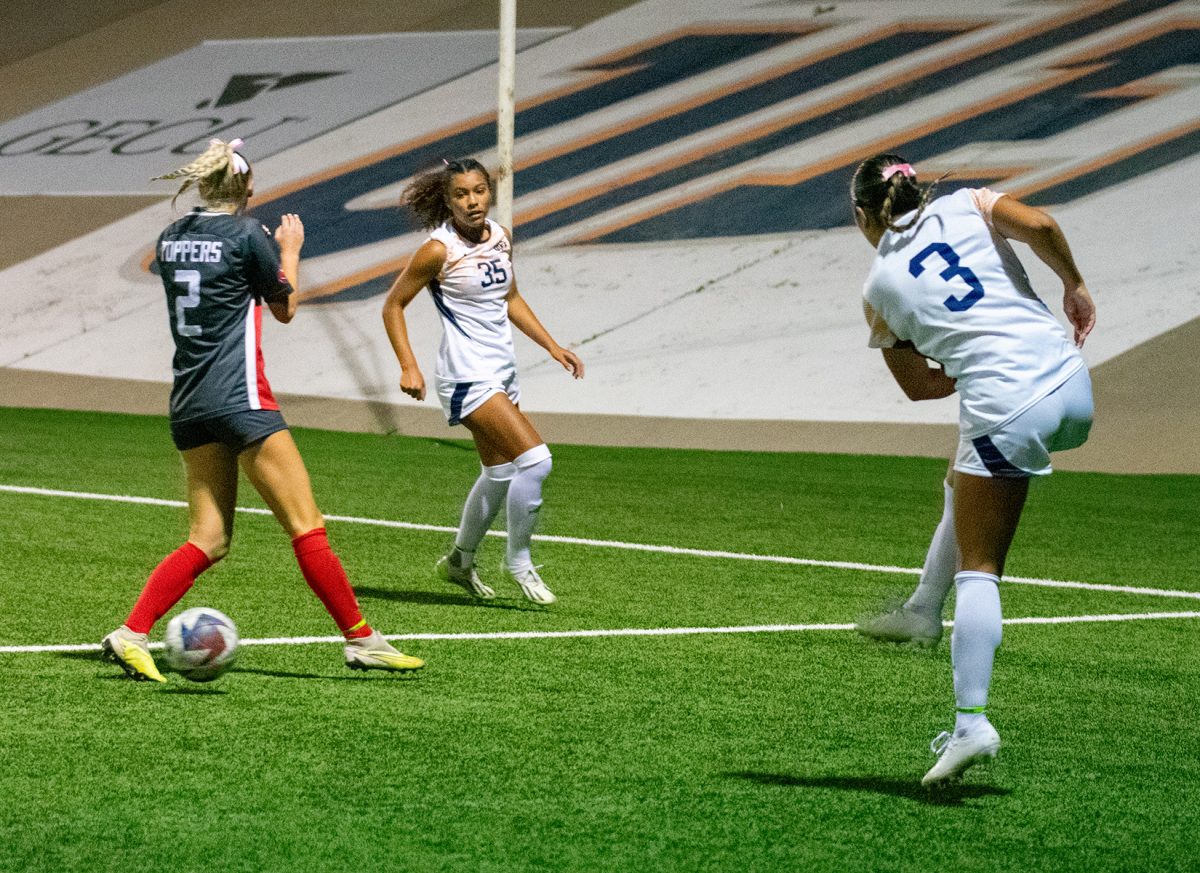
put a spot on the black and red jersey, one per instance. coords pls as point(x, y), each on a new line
point(217, 269)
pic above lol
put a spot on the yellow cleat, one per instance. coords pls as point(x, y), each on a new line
point(131, 652)
point(376, 653)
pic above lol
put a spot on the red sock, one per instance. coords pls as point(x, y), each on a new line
point(325, 576)
point(168, 583)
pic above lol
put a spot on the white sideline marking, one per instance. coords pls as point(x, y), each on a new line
point(617, 544)
point(622, 632)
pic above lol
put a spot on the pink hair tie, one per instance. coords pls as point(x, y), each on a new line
point(905, 169)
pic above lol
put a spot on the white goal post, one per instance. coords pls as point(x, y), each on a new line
point(504, 120)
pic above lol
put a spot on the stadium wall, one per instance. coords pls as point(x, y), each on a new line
point(680, 217)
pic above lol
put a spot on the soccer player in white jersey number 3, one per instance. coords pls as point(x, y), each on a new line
point(217, 267)
point(947, 287)
point(467, 265)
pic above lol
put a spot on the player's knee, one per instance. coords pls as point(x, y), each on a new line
point(535, 462)
point(500, 472)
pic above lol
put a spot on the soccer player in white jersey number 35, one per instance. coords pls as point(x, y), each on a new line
point(947, 287)
point(467, 265)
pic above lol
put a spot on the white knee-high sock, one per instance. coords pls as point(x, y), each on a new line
point(940, 563)
point(524, 501)
point(486, 497)
point(977, 631)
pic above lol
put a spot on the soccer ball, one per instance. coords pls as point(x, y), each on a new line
point(201, 643)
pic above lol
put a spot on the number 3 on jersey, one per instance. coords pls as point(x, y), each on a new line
point(955, 304)
point(189, 279)
point(493, 273)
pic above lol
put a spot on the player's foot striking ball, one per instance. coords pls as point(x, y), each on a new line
point(131, 652)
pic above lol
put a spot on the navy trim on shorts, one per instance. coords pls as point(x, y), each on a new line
point(456, 401)
point(998, 465)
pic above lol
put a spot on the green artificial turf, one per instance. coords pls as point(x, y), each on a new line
point(752, 751)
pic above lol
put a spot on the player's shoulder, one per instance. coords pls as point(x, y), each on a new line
point(431, 254)
point(443, 235)
point(957, 201)
point(499, 236)
point(248, 225)
point(180, 225)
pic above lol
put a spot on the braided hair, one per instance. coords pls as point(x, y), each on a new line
point(426, 196)
point(221, 174)
point(885, 186)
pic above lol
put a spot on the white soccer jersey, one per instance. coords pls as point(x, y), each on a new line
point(470, 293)
point(953, 287)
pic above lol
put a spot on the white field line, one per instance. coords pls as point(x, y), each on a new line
point(617, 544)
point(623, 632)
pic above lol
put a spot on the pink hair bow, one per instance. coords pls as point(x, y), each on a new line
point(892, 170)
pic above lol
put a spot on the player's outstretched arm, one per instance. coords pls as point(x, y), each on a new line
point(419, 272)
point(1041, 232)
point(522, 316)
point(915, 377)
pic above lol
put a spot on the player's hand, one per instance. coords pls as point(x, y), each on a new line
point(570, 361)
point(290, 233)
point(1080, 311)
point(412, 383)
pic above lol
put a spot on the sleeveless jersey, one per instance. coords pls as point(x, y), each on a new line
point(216, 269)
point(470, 295)
point(955, 289)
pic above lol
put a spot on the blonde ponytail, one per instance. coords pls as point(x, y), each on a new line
point(220, 173)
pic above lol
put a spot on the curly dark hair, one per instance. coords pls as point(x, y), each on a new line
point(887, 198)
point(427, 194)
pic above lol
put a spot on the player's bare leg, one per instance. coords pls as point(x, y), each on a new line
point(277, 471)
point(212, 495)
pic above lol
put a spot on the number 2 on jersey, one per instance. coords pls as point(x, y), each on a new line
point(955, 304)
point(190, 279)
point(493, 273)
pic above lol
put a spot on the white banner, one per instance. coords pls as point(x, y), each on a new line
point(273, 93)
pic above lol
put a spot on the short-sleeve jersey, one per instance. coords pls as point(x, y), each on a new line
point(953, 287)
point(470, 294)
point(216, 269)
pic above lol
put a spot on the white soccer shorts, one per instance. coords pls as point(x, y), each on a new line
point(1021, 447)
point(460, 399)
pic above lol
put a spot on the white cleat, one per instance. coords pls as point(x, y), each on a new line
point(903, 625)
point(532, 586)
point(959, 750)
point(464, 577)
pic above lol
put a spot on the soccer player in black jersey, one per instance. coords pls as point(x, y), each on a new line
point(218, 266)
